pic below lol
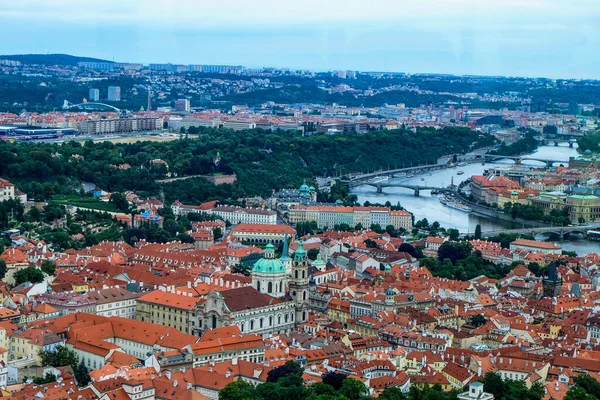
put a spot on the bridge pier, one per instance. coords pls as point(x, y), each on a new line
point(379, 188)
point(571, 144)
point(549, 164)
point(417, 192)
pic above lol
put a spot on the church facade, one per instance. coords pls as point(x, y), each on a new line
point(276, 302)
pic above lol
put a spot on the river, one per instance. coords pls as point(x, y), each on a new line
point(428, 206)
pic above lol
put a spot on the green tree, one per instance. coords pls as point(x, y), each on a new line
point(289, 368)
point(453, 234)
point(82, 375)
point(454, 251)
point(579, 393)
point(119, 201)
point(591, 385)
point(371, 244)
point(29, 274)
point(391, 393)
point(334, 379)
point(60, 357)
point(239, 390)
point(48, 378)
point(48, 267)
point(217, 233)
point(353, 389)
point(312, 254)
point(478, 232)
point(2, 268)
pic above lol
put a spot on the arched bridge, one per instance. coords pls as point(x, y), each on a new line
point(557, 230)
point(416, 188)
point(519, 159)
point(356, 178)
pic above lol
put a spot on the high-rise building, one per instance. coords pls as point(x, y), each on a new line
point(182, 105)
point(94, 95)
point(114, 93)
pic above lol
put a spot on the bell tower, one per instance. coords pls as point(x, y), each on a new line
point(298, 284)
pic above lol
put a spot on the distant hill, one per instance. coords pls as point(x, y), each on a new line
point(49, 59)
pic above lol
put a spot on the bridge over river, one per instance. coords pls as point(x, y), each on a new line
point(556, 230)
point(416, 188)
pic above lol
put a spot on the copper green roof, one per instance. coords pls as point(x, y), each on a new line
point(269, 264)
point(300, 254)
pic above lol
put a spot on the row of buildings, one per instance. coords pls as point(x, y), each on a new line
point(330, 216)
point(235, 215)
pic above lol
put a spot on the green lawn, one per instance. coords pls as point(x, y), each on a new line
point(84, 202)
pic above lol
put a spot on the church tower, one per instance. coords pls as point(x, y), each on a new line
point(285, 256)
point(298, 284)
point(268, 274)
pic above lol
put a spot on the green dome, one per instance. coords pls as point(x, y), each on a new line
point(390, 292)
point(269, 264)
point(312, 188)
point(587, 152)
point(300, 253)
point(304, 188)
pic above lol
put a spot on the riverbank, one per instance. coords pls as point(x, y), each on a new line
point(428, 206)
point(499, 214)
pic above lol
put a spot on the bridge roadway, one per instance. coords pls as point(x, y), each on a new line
point(417, 188)
point(518, 159)
point(559, 230)
point(419, 168)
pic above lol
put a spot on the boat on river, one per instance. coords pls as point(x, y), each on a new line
point(460, 172)
point(458, 206)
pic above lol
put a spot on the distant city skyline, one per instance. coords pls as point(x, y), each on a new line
point(536, 38)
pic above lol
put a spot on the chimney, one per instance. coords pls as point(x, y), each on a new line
point(168, 374)
point(175, 383)
point(189, 285)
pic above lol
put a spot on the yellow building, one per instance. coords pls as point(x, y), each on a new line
point(167, 309)
point(338, 310)
point(28, 344)
point(586, 208)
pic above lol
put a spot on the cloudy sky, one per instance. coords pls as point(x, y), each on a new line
point(551, 38)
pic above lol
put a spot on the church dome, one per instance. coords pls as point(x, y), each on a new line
point(390, 292)
point(304, 188)
point(587, 152)
point(269, 264)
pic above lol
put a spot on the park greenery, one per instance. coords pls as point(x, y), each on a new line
point(261, 160)
point(590, 141)
point(527, 144)
point(285, 382)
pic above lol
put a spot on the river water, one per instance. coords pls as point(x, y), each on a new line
point(428, 206)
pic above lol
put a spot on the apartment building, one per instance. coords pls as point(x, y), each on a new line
point(119, 125)
point(329, 216)
point(235, 215)
point(167, 309)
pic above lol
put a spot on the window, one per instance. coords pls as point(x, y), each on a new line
point(270, 287)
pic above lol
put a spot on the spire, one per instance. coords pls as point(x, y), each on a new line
point(300, 254)
point(286, 251)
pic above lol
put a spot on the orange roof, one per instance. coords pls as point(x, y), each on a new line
point(535, 243)
point(169, 299)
